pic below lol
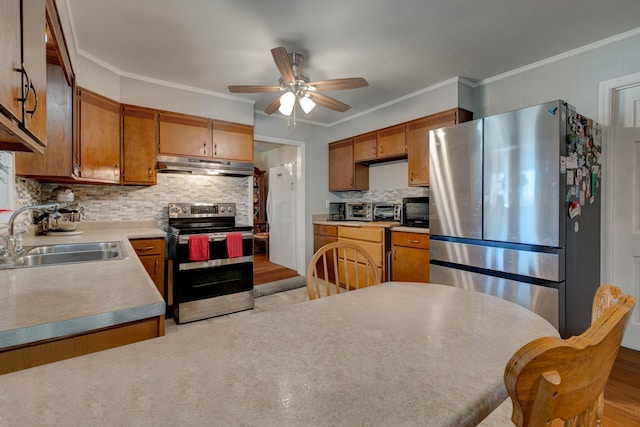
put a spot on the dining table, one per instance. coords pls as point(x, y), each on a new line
point(393, 354)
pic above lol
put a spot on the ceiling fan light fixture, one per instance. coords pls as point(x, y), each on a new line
point(287, 101)
point(307, 104)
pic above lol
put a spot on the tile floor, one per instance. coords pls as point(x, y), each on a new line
point(264, 303)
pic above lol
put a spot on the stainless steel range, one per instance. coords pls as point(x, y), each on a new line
point(219, 280)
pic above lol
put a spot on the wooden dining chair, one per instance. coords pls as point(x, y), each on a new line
point(553, 381)
point(605, 297)
point(340, 265)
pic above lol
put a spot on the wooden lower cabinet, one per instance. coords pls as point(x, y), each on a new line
point(49, 351)
point(151, 254)
point(323, 235)
point(409, 257)
point(372, 240)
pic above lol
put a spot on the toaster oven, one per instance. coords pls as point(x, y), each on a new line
point(359, 211)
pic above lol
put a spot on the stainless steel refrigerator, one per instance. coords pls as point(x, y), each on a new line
point(515, 210)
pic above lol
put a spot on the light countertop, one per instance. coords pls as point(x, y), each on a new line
point(394, 226)
point(38, 303)
point(402, 354)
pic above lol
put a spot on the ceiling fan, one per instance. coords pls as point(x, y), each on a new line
point(296, 86)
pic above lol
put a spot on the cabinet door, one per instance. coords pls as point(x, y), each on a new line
point(344, 174)
point(391, 142)
point(154, 264)
point(56, 163)
point(10, 59)
point(323, 235)
point(365, 147)
point(139, 142)
point(34, 57)
point(98, 137)
point(182, 135)
point(417, 135)
point(409, 264)
point(232, 141)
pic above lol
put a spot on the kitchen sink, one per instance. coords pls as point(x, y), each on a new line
point(34, 256)
point(72, 247)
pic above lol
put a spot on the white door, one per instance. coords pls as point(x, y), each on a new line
point(281, 215)
point(625, 200)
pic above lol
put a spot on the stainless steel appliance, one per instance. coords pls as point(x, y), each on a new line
point(220, 284)
point(415, 211)
point(337, 211)
point(387, 212)
point(515, 210)
point(359, 211)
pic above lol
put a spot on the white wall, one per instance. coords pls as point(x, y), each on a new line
point(574, 77)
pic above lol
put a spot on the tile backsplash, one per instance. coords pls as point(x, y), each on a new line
point(137, 203)
point(387, 196)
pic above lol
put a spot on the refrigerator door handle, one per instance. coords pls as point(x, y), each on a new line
point(268, 206)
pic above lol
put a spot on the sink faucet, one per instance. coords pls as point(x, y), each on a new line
point(13, 240)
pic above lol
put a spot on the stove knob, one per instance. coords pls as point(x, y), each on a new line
point(185, 210)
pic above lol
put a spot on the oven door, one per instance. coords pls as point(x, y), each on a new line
point(192, 284)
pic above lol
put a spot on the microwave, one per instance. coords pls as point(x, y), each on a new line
point(415, 211)
point(337, 211)
point(359, 211)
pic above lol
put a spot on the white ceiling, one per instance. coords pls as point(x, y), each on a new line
point(399, 46)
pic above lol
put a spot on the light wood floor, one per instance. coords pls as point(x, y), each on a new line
point(622, 393)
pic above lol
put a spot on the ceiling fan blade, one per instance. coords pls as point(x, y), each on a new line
point(330, 103)
point(281, 58)
point(340, 84)
point(253, 89)
point(273, 106)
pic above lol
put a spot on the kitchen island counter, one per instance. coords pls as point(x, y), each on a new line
point(48, 302)
point(405, 354)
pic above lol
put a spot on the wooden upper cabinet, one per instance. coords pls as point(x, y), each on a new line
point(391, 142)
point(417, 136)
point(10, 59)
point(344, 174)
point(34, 58)
point(183, 135)
point(23, 89)
point(232, 141)
point(98, 145)
point(56, 163)
point(365, 147)
point(139, 145)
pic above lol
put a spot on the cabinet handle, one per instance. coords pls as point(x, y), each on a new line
point(394, 254)
point(28, 84)
point(116, 171)
point(35, 104)
point(215, 149)
point(155, 267)
point(414, 241)
point(145, 248)
point(204, 148)
point(411, 175)
point(381, 150)
point(150, 172)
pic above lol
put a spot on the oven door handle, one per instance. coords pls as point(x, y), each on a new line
point(214, 263)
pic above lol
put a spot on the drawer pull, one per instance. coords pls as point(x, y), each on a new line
point(146, 248)
point(414, 241)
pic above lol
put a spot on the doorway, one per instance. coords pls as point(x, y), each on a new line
point(620, 117)
point(273, 153)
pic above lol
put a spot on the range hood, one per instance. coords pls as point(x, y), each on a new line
point(171, 164)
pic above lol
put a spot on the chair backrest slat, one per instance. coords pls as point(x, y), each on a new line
point(353, 268)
